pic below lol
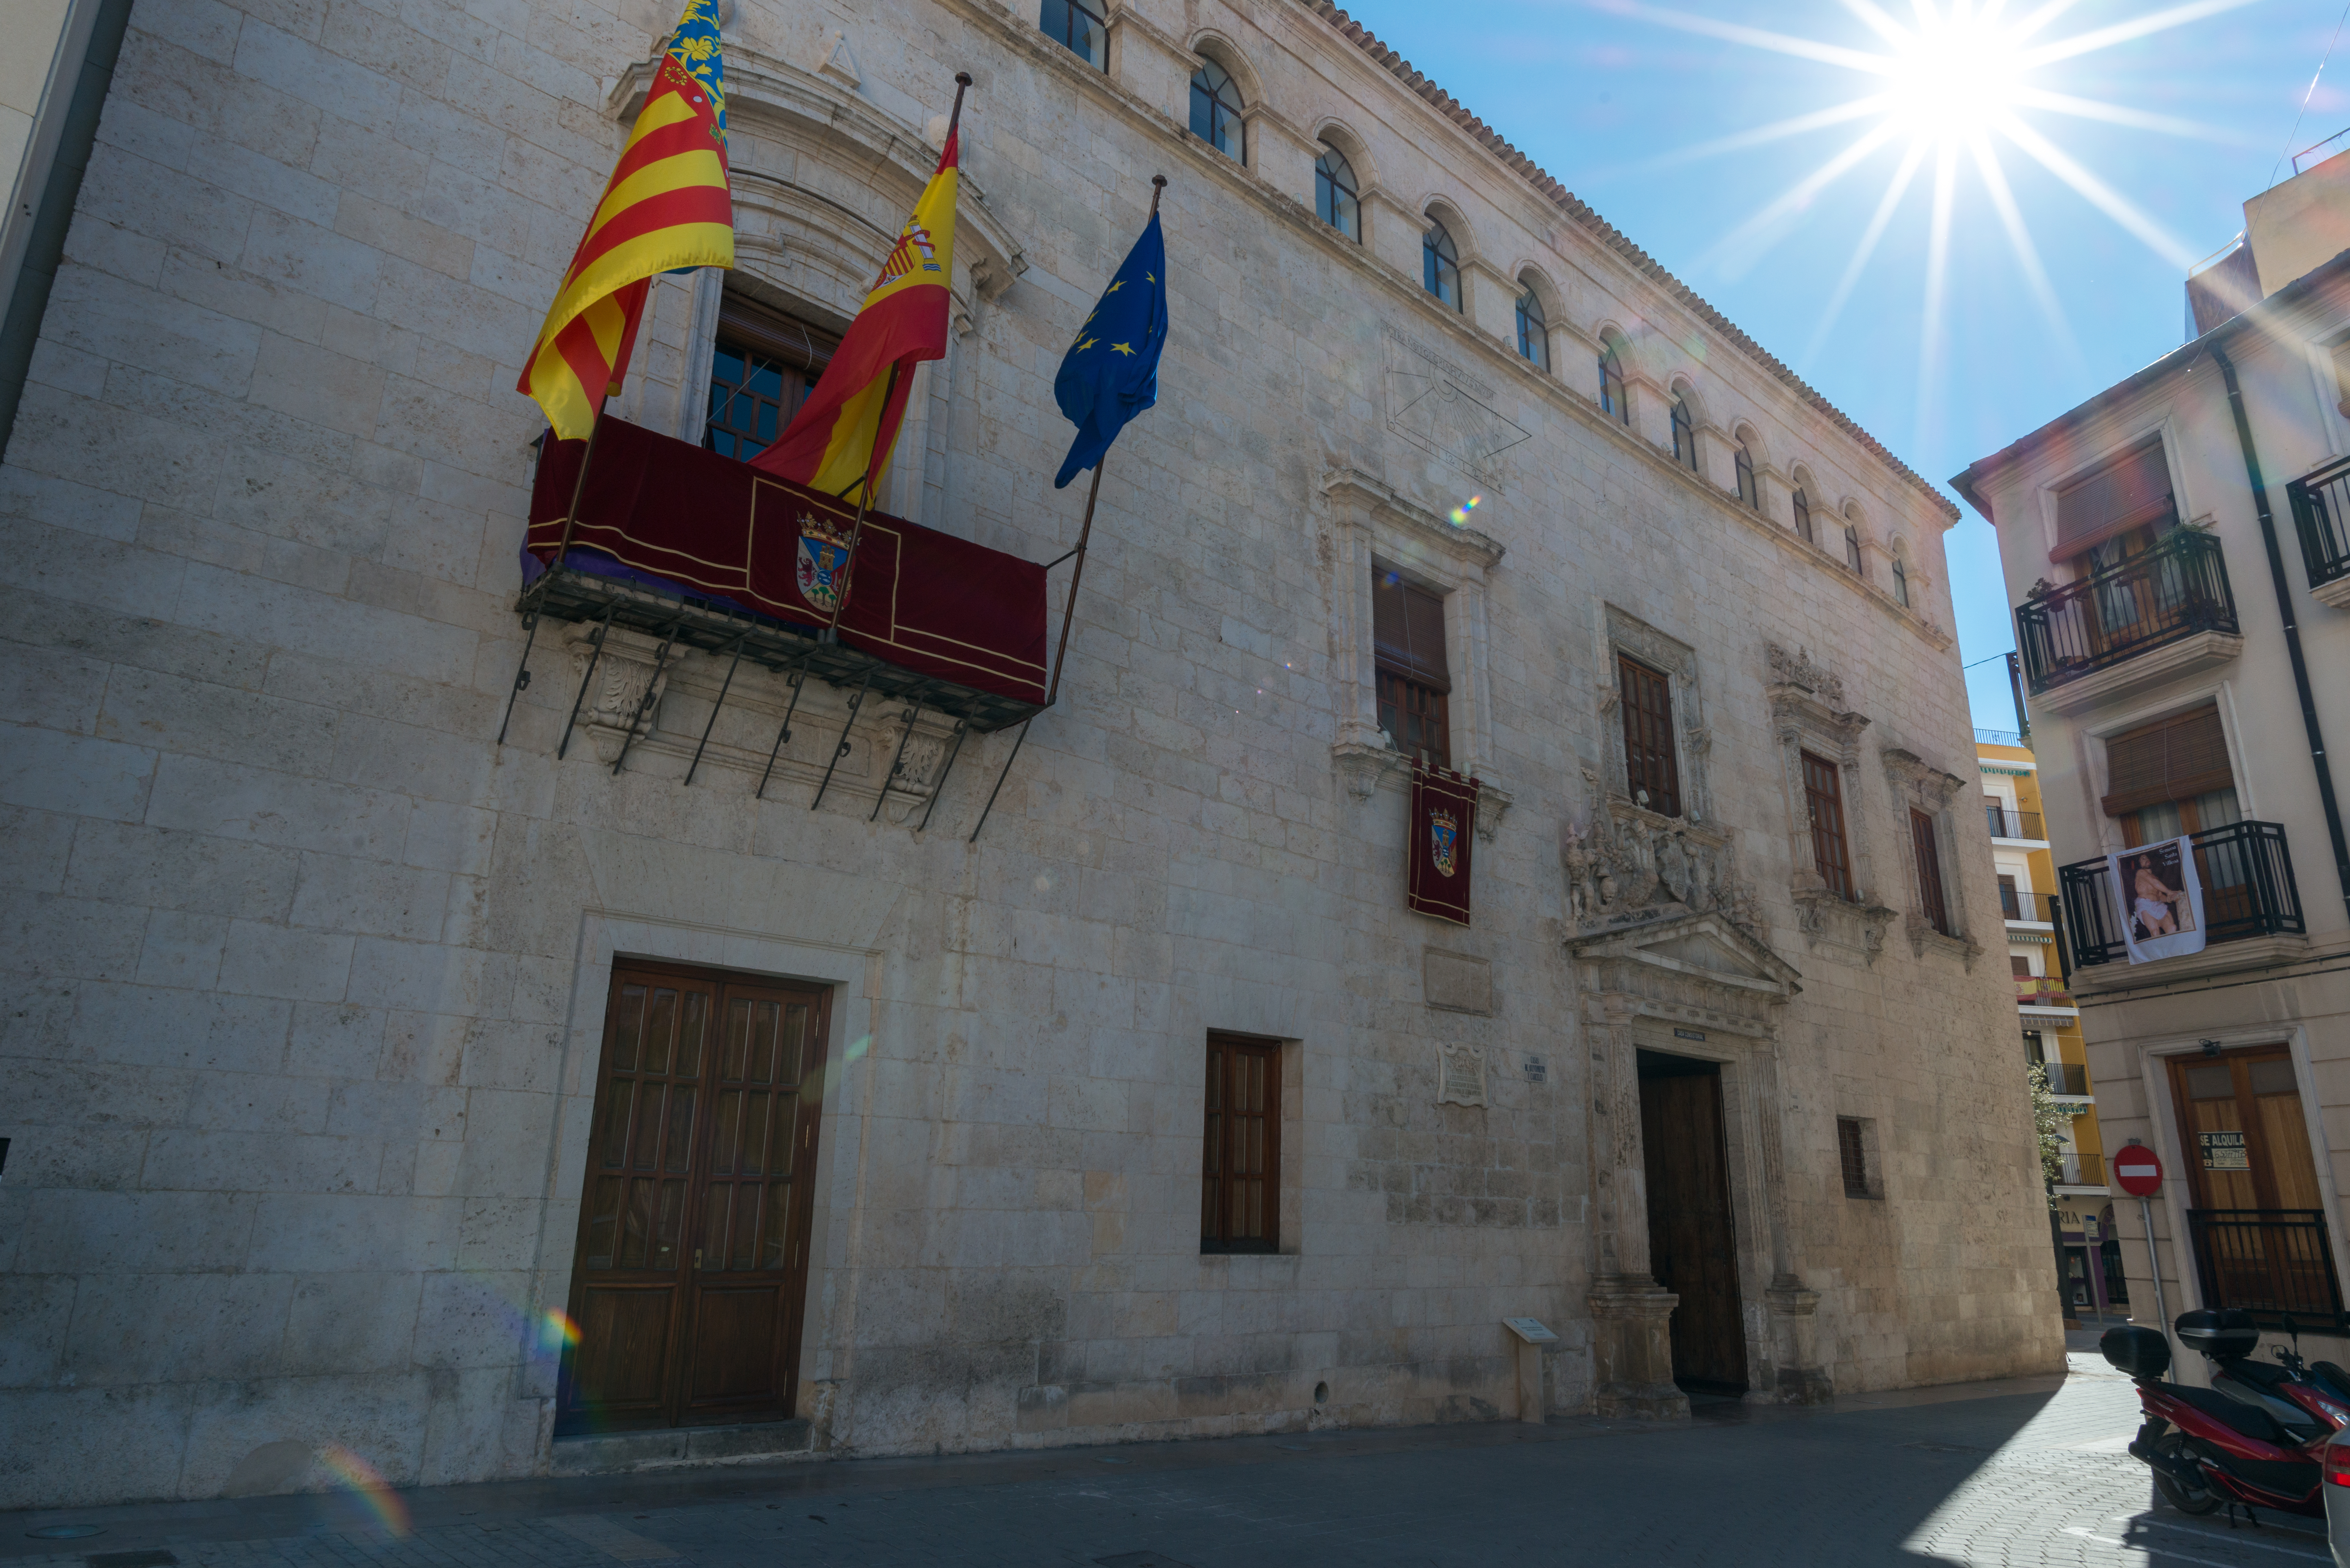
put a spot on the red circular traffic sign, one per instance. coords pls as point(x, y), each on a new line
point(2137, 1171)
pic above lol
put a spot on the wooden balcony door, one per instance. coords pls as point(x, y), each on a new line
point(2247, 1145)
point(690, 1277)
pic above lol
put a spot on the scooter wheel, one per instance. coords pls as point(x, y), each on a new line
point(2186, 1500)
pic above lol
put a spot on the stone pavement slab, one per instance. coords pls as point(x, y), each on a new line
point(2028, 1472)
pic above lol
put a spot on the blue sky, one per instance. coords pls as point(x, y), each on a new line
point(1621, 101)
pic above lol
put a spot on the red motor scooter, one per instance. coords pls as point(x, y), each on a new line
point(2255, 1438)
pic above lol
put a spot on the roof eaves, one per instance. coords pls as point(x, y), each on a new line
point(1613, 238)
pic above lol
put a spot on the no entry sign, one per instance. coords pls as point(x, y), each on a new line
point(2137, 1171)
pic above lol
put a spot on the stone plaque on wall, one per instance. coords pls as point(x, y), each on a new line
point(1457, 982)
point(1461, 1074)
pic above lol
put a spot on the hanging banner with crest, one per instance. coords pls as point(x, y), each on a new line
point(1443, 827)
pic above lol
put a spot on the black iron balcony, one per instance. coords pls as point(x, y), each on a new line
point(2268, 1262)
point(2173, 591)
point(2248, 891)
point(2010, 903)
point(2006, 824)
point(2083, 1170)
point(2321, 511)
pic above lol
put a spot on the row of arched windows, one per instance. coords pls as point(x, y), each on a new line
point(1217, 118)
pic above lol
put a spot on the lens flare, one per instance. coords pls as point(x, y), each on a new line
point(364, 1481)
point(1460, 513)
point(558, 1332)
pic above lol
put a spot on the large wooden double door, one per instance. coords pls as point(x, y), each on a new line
point(1692, 1242)
point(690, 1278)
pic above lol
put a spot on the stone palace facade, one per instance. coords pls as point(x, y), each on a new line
point(323, 1002)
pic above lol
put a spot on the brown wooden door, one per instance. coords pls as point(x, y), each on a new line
point(1692, 1248)
point(2247, 1145)
point(690, 1282)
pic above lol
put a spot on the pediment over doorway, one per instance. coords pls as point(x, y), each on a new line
point(1698, 968)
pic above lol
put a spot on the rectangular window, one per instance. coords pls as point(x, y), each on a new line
point(1823, 798)
point(2019, 967)
point(1649, 762)
point(1852, 1154)
point(1922, 841)
point(2011, 902)
point(1240, 1202)
point(1414, 680)
point(764, 366)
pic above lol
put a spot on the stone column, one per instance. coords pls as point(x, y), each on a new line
point(1631, 1351)
point(1355, 690)
point(1798, 1375)
point(1391, 232)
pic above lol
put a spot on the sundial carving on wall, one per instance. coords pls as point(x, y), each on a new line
point(1445, 409)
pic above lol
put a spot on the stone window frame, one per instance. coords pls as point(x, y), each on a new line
point(1918, 786)
point(1371, 525)
point(1808, 715)
point(1276, 1055)
point(1625, 634)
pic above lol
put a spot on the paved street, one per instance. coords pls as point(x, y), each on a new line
point(2022, 1473)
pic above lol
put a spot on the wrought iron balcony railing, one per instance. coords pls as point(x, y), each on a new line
point(2248, 891)
point(2268, 1262)
point(2173, 591)
point(2084, 1170)
point(2321, 512)
point(2006, 824)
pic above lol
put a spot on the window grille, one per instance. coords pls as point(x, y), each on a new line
point(1852, 1155)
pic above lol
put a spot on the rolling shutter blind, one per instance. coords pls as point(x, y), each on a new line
point(1408, 630)
point(778, 337)
point(2128, 493)
point(2175, 758)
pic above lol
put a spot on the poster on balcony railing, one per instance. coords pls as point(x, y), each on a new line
point(2161, 898)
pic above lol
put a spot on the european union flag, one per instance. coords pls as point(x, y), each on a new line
point(1111, 372)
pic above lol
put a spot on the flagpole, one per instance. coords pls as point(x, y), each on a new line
point(1086, 533)
point(881, 423)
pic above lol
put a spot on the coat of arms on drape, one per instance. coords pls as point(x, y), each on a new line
point(1443, 827)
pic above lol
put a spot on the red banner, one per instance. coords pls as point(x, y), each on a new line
point(1443, 827)
point(924, 601)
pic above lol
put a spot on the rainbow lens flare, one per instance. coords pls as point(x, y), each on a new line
point(559, 1333)
point(364, 1481)
point(1460, 513)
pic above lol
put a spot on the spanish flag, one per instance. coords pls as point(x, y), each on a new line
point(665, 209)
point(850, 422)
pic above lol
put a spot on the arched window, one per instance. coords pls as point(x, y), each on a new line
point(1077, 24)
point(1216, 108)
point(1804, 516)
point(1440, 264)
point(1335, 193)
point(1684, 435)
point(1750, 489)
point(1613, 397)
point(1533, 332)
point(1852, 547)
point(1900, 581)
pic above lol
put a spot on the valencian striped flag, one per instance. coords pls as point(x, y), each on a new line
point(665, 209)
point(850, 420)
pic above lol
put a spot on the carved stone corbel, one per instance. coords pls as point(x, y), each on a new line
point(1363, 767)
point(628, 683)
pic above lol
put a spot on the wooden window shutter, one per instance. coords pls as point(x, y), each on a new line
point(1408, 630)
point(1240, 1165)
point(2176, 758)
point(1823, 800)
point(1650, 760)
point(2128, 493)
point(1929, 870)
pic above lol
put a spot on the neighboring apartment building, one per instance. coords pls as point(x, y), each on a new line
point(2088, 1257)
point(329, 1009)
point(2178, 554)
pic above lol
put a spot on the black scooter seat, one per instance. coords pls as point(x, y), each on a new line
point(2248, 1419)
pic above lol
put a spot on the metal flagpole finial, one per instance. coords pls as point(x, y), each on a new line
point(1157, 187)
point(954, 115)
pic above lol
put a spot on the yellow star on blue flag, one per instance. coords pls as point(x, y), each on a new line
point(1111, 372)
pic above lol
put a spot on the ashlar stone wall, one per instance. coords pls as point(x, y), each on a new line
point(307, 971)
